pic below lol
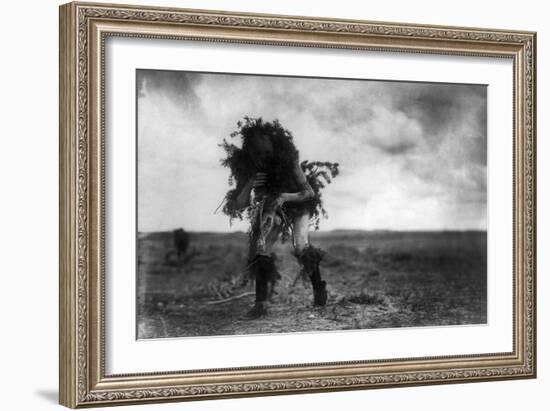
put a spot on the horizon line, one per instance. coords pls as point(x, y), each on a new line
point(383, 230)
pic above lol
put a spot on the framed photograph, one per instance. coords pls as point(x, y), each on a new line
point(261, 204)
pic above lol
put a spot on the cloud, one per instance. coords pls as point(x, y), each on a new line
point(412, 155)
point(175, 85)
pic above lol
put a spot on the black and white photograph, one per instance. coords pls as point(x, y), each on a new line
point(281, 204)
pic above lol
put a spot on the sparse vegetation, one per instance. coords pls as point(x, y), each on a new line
point(375, 280)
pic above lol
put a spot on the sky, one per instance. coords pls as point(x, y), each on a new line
point(413, 156)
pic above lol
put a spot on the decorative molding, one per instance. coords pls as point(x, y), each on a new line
point(302, 24)
point(185, 17)
point(82, 203)
point(310, 384)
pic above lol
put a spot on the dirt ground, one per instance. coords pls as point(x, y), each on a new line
point(375, 280)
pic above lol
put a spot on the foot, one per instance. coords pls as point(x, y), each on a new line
point(320, 295)
point(258, 310)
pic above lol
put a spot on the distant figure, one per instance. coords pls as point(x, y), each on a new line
point(281, 197)
point(181, 243)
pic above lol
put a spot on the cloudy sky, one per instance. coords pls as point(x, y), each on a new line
point(413, 156)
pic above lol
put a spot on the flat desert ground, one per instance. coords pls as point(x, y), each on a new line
point(375, 279)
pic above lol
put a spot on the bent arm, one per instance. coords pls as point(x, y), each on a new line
point(305, 193)
point(242, 199)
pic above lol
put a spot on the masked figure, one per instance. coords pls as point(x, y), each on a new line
point(281, 198)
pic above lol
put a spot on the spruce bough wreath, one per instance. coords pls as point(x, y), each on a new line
point(279, 171)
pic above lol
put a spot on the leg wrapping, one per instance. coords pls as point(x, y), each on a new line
point(310, 259)
point(263, 268)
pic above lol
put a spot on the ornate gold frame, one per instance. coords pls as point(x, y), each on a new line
point(83, 30)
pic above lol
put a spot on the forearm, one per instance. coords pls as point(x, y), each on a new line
point(243, 198)
point(299, 196)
